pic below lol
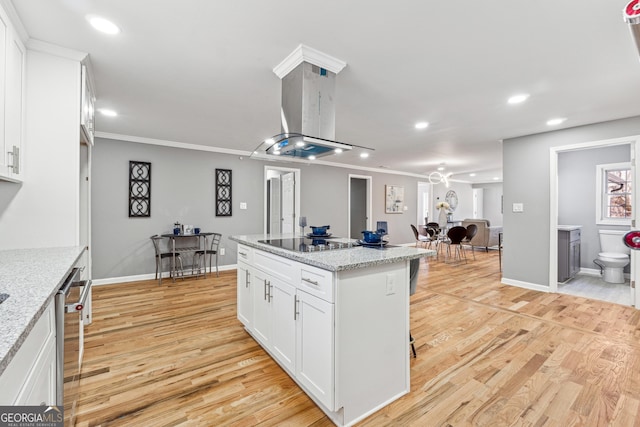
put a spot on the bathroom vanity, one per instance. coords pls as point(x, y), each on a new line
point(568, 251)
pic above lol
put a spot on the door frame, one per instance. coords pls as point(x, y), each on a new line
point(420, 215)
point(368, 180)
point(634, 142)
point(298, 184)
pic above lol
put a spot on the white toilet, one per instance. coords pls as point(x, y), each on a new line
point(614, 256)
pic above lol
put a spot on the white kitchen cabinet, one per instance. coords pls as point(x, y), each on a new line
point(12, 94)
point(245, 294)
point(314, 347)
point(87, 107)
point(283, 321)
point(261, 308)
point(30, 377)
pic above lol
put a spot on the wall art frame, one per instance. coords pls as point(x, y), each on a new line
point(393, 199)
point(139, 189)
point(223, 192)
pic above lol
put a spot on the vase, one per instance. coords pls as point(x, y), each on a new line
point(442, 218)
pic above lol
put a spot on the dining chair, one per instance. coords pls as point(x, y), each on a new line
point(456, 235)
point(215, 243)
point(472, 230)
point(423, 240)
point(162, 255)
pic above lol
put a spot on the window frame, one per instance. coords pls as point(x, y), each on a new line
point(601, 194)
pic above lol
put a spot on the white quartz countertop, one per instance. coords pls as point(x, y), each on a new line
point(31, 277)
point(337, 259)
point(569, 227)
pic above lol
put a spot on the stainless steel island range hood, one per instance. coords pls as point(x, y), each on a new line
point(308, 108)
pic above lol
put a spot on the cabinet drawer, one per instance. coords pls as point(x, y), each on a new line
point(276, 266)
point(317, 282)
point(245, 254)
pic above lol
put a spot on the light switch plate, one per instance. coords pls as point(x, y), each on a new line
point(243, 205)
point(518, 207)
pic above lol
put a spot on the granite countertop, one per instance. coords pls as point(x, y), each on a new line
point(31, 277)
point(337, 259)
point(569, 227)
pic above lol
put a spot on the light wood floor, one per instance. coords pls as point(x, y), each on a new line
point(488, 355)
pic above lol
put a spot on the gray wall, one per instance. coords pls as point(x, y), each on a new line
point(577, 194)
point(182, 189)
point(526, 180)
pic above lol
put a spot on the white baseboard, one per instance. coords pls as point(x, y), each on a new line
point(525, 285)
point(151, 276)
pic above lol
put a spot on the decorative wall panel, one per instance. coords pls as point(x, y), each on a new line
point(223, 192)
point(139, 189)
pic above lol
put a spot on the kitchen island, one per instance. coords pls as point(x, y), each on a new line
point(337, 321)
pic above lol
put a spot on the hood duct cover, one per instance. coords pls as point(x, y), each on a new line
point(308, 114)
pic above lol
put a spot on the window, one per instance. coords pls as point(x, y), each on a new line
point(614, 193)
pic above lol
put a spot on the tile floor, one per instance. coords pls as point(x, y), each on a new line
point(594, 287)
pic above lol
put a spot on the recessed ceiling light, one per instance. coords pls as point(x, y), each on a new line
point(364, 155)
point(517, 99)
point(269, 141)
point(422, 125)
point(300, 144)
point(496, 178)
point(555, 122)
point(107, 112)
point(472, 174)
point(311, 157)
point(338, 150)
point(103, 25)
point(441, 168)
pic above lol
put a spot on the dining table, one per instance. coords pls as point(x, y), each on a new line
point(188, 244)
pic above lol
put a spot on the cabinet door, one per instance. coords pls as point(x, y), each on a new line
point(261, 308)
point(14, 106)
point(574, 258)
point(315, 347)
point(283, 336)
point(245, 296)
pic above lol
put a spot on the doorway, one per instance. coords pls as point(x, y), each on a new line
point(282, 200)
point(359, 205)
point(423, 203)
point(556, 206)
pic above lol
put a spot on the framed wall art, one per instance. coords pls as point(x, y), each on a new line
point(223, 192)
point(394, 198)
point(139, 189)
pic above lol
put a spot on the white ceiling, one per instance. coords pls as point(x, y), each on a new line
point(200, 71)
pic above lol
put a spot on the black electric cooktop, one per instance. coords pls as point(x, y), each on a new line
point(307, 244)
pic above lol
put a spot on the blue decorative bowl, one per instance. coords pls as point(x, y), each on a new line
point(320, 231)
point(372, 236)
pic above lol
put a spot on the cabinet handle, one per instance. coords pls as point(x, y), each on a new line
point(265, 289)
point(313, 282)
point(243, 253)
point(247, 278)
point(295, 308)
point(270, 291)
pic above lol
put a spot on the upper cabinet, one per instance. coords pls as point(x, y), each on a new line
point(12, 94)
point(87, 108)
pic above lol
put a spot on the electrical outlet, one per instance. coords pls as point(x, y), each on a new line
point(391, 284)
point(222, 251)
point(243, 205)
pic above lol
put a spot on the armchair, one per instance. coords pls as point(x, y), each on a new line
point(487, 235)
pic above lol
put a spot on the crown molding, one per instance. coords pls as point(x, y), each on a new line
point(174, 144)
point(53, 49)
point(308, 54)
point(10, 10)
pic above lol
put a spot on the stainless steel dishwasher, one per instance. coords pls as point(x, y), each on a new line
point(70, 300)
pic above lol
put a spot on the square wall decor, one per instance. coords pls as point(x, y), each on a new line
point(223, 192)
point(394, 199)
point(139, 189)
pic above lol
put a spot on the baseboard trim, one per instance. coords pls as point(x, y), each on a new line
point(525, 285)
point(151, 276)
